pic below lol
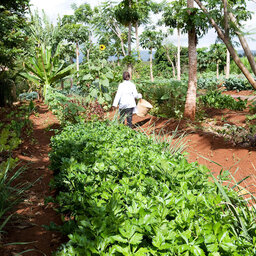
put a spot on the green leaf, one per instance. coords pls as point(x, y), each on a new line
point(158, 240)
point(101, 100)
point(165, 97)
point(119, 239)
point(136, 238)
point(141, 252)
point(88, 77)
point(127, 230)
point(124, 250)
point(196, 250)
point(94, 93)
point(104, 82)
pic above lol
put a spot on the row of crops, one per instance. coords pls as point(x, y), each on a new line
point(121, 193)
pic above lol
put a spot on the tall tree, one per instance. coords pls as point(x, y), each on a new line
point(173, 17)
point(215, 18)
point(127, 15)
point(190, 105)
point(143, 9)
point(106, 23)
point(77, 28)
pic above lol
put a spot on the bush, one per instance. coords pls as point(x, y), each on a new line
point(237, 83)
point(73, 109)
point(167, 96)
point(215, 99)
point(28, 96)
point(208, 83)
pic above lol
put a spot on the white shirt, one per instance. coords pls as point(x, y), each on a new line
point(126, 95)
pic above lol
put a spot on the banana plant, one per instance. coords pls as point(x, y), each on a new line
point(46, 68)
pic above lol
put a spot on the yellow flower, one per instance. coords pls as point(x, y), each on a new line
point(102, 47)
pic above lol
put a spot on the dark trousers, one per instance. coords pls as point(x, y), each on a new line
point(126, 113)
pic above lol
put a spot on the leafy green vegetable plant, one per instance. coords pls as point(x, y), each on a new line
point(236, 83)
point(123, 194)
point(215, 99)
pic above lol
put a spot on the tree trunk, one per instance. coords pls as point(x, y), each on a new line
point(190, 105)
point(117, 31)
point(71, 82)
point(169, 60)
point(129, 67)
point(88, 54)
point(137, 39)
point(62, 84)
point(230, 47)
point(151, 65)
point(173, 69)
point(130, 40)
point(244, 44)
point(178, 55)
point(217, 71)
point(122, 46)
point(71, 78)
point(77, 58)
point(228, 65)
point(130, 34)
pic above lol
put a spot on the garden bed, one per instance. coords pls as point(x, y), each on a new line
point(204, 146)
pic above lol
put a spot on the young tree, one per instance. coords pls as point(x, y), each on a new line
point(217, 55)
point(170, 50)
point(151, 39)
point(143, 8)
point(127, 15)
point(77, 28)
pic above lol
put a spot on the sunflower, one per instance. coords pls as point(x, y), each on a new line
point(102, 47)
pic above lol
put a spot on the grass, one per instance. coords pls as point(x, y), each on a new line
point(11, 192)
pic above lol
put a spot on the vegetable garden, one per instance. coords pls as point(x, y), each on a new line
point(76, 181)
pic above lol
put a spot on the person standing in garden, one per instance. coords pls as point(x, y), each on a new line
point(125, 98)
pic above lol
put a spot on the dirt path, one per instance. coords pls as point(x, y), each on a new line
point(26, 225)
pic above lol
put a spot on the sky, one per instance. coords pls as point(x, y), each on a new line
point(55, 8)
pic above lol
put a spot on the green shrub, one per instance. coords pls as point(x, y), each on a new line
point(215, 99)
point(237, 83)
point(28, 96)
point(167, 96)
point(125, 195)
point(209, 83)
point(73, 109)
